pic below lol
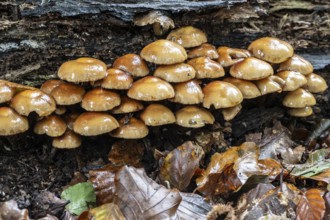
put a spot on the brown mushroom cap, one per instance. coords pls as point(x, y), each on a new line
point(315, 83)
point(60, 110)
point(270, 85)
point(299, 98)
point(94, 123)
point(164, 52)
point(83, 69)
point(151, 88)
point(53, 126)
point(188, 92)
point(206, 68)
point(99, 99)
point(130, 128)
point(68, 94)
point(6, 93)
point(204, 50)
point(180, 72)
point(33, 101)
point(271, 49)
point(116, 79)
point(300, 112)
point(229, 56)
point(221, 95)
point(127, 105)
point(293, 80)
point(230, 113)
point(133, 64)
point(193, 117)
point(248, 89)
point(48, 86)
point(187, 36)
point(16, 86)
point(156, 115)
point(68, 140)
point(298, 64)
point(12, 123)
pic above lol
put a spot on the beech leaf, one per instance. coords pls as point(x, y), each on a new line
point(193, 206)
point(126, 152)
point(104, 212)
point(311, 205)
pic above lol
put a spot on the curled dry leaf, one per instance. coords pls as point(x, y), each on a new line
point(193, 206)
point(104, 212)
point(126, 152)
point(180, 165)
point(9, 211)
point(270, 167)
point(311, 205)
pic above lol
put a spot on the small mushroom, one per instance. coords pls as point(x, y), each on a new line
point(193, 117)
point(188, 93)
point(206, 68)
point(132, 64)
point(127, 105)
point(299, 98)
point(68, 140)
point(293, 80)
point(48, 86)
point(248, 89)
point(116, 79)
point(315, 83)
point(270, 85)
point(229, 56)
point(156, 115)
point(230, 113)
point(298, 64)
point(99, 99)
point(300, 112)
point(68, 94)
point(188, 36)
point(204, 50)
point(176, 72)
point(53, 126)
point(130, 128)
point(6, 93)
point(12, 123)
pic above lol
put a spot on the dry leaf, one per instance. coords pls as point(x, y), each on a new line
point(311, 205)
point(193, 206)
point(326, 198)
point(9, 211)
point(270, 167)
point(126, 152)
point(108, 211)
point(322, 177)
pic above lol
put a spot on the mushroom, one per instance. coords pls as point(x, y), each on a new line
point(68, 94)
point(60, 110)
point(6, 93)
point(204, 50)
point(206, 68)
point(116, 79)
point(271, 49)
point(229, 56)
point(188, 36)
point(156, 115)
point(68, 140)
point(164, 52)
point(48, 86)
point(300, 112)
point(298, 64)
point(193, 117)
point(16, 86)
point(132, 64)
point(230, 113)
point(127, 105)
point(299, 98)
point(315, 83)
point(12, 123)
point(99, 99)
point(248, 89)
point(270, 85)
point(176, 72)
point(151, 88)
point(293, 80)
point(83, 69)
point(130, 128)
point(53, 126)
point(188, 93)
point(221, 94)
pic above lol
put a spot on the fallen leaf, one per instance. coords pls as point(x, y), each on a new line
point(108, 211)
point(193, 206)
point(311, 205)
point(322, 177)
point(326, 198)
point(270, 167)
point(126, 152)
point(9, 211)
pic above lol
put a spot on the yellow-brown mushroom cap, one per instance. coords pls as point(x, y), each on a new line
point(48, 86)
point(270, 85)
point(151, 88)
point(298, 64)
point(130, 128)
point(99, 99)
point(164, 52)
point(12, 123)
point(229, 56)
point(206, 68)
point(299, 98)
point(230, 113)
point(133, 64)
point(221, 94)
point(33, 101)
point(204, 50)
point(68, 140)
point(117, 79)
point(188, 36)
point(94, 123)
point(6, 93)
point(188, 93)
point(251, 69)
point(68, 94)
point(315, 83)
point(127, 105)
point(293, 80)
point(248, 89)
point(300, 112)
point(193, 117)
point(156, 115)
point(83, 69)
point(180, 72)
point(271, 49)
point(53, 126)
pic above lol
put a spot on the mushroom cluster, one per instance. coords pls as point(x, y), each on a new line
point(190, 79)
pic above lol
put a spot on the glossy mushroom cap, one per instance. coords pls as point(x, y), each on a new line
point(293, 80)
point(94, 123)
point(204, 50)
point(132, 64)
point(299, 98)
point(68, 94)
point(251, 69)
point(6, 93)
point(315, 83)
point(300, 112)
point(229, 56)
point(193, 117)
point(175, 73)
point(188, 36)
point(68, 140)
point(230, 113)
point(271, 49)
point(270, 85)
point(12, 123)
point(99, 99)
point(188, 93)
point(33, 101)
point(164, 52)
point(130, 128)
point(151, 88)
point(248, 89)
point(127, 105)
point(206, 68)
point(156, 115)
point(53, 126)
point(83, 69)
point(221, 94)
point(117, 79)
point(48, 86)
point(298, 64)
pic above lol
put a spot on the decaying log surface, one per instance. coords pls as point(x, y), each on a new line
point(37, 36)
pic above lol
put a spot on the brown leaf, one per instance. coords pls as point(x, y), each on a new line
point(322, 177)
point(270, 167)
point(311, 205)
point(104, 212)
point(180, 165)
point(327, 205)
point(9, 211)
point(193, 206)
point(126, 152)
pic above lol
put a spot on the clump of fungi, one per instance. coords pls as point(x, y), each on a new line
point(191, 80)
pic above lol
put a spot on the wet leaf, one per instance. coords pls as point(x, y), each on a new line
point(311, 205)
point(193, 206)
point(9, 211)
point(270, 167)
point(180, 165)
point(126, 152)
point(108, 211)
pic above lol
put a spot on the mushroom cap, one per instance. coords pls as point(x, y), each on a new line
point(164, 52)
point(130, 128)
point(48, 86)
point(156, 115)
point(206, 68)
point(230, 113)
point(127, 105)
point(16, 86)
point(180, 72)
point(7, 93)
point(269, 85)
point(37, 101)
point(315, 83)
point(298, 64)
point(299, 98)
point(251, 69)
point(133, 64)
point(53, 126)
point(68, 94)
point(151, 88)
point(300, 112)
point(94, 123)
point(60, 110)
point(193, 117)
point(99, 99)
point(83, 69)
point(188, 92)
point(68, 140)
point(187, 36)
point(117, 79)
point(271, 49)
point(293, 80)
point(204, 50)
point(221, 94)
point(70, 118)
point(12, 123)
point(248, 89)
point(229, 56)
